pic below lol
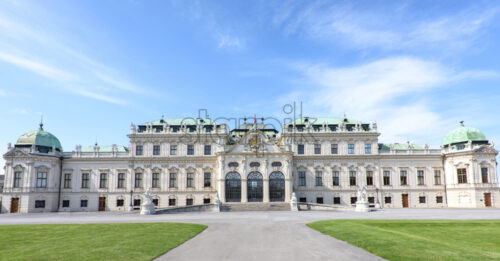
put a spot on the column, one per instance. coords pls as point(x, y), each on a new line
point(244, 196)
point(288, 189)
point(265, 186)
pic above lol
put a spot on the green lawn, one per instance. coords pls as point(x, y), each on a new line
point(419, 239)
point(127, 241)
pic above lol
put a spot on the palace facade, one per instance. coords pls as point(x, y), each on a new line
point(190, 161)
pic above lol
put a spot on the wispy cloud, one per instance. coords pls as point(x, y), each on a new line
point(20, 111)
point(56, 60)
point(37, 67)
point(227, 41)
point(370, 27)
point(394, 91)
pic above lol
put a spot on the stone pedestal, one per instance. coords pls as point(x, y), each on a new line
point(362, 207)
point(147, 208)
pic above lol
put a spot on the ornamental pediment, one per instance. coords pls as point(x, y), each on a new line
point(486, 149)
point(16, 153)
point(254, 141)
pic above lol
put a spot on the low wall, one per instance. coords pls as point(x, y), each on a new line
point(322, 207)
point(193, 208)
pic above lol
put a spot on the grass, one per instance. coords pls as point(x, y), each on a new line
point(126, 241)
point(419, 239)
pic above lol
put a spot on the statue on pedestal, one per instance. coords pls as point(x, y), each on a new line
point(148, 208)
point(293, 203)
point(362, 204)
point(217, 203)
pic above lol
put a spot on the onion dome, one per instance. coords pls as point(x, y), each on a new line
point(464, 134)
point(44, 141)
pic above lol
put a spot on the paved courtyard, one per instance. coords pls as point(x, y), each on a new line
point(257, 235)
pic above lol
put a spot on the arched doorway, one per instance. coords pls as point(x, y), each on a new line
point(254, 187)
point(276, 186)
point(233, 187)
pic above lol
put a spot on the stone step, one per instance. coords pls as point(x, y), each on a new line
point(256, 206)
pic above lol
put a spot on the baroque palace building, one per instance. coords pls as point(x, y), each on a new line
point(190, 161)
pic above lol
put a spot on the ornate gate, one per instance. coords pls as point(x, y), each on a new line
point(276, 186)
point(254, 187)
point(233, 187)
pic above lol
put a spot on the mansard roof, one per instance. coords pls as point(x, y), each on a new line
point(463, 134)
point(399, 146)
point(181, 121)
point(320, 121)
point(105, 148)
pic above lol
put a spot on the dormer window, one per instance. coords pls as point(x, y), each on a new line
point(461, 147)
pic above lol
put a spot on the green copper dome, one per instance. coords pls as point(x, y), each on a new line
point(463, 134)
point(39, 138)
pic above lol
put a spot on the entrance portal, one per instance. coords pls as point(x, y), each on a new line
point(233, 187)
point(102, 203)
point(14, 205)
point(254, 187)
point(405, 200)
point(487, 199)
point(276, 186)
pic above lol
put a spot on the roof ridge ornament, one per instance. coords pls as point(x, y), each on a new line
point(41, 122)
point(462, 123)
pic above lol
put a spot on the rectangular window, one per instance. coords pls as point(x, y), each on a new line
point(173, 149)
point(103, 181)
point(121, 180)
point(336, 200)
point(369, 178)
point(319, 200)
point(190, 180)
point(387, 200)
point(67, 180)
point(484, 175)
point(462, 176)
point(371, 200)
point(65, 203)
point(156, 150)
point(156, 180)
point(352, 178)
point(155, 202)
point(421, 199)
point(207, 180)
point(302, 178)
point(335, 149)
point(190, 149)
point(420, 177)
point(208, 150)
point(139, 150)
point(437, 177)
point(119, 202)
point(41, 180)
point(353, 200)
point(404, 178)
point(39, 203)
point(317, 148)
point(85, 180)
point(138, 180)
point(171, 202)
point(336, 180)
point(206, 201)
point(439, 199)
point(300, 149)
point(137, 202)
point(350, 148)
point(172, 183)
point(303, 200)
point(319, 178)
point(17, 179)
point(83, 203)
point(189, 202)
point(368, 149)
point(387, 178)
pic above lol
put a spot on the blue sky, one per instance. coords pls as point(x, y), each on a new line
point(93, 67)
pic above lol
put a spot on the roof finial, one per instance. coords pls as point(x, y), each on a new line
point(462, 123)
point(41, 122)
